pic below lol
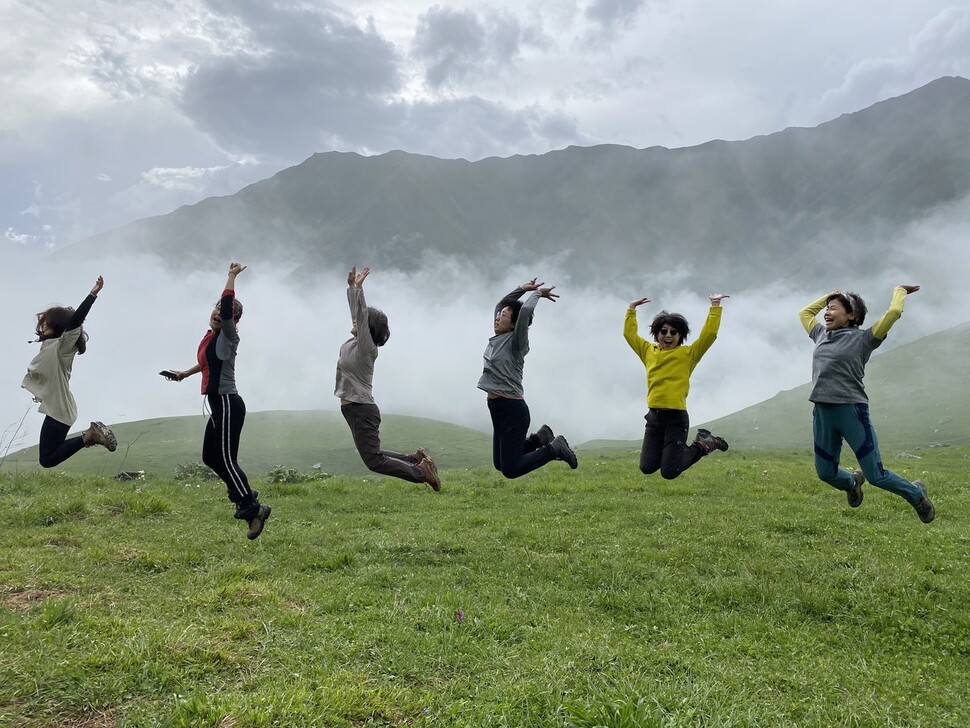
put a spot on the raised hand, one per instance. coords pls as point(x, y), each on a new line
point(99, 284)
point(716, 298)
point(547, 293)
point(531, 285)
point(236, 268)
point(359, 278)
point(638, 302)
point(909, 288)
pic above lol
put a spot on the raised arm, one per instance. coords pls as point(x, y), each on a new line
point(631, 330)
point(358, 306)
point(880, 329)
point(81, 312)
point(234, 270)
point(807, 315)
point(712, 324)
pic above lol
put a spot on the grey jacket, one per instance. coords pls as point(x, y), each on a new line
point(355, 366)
point(504, 357)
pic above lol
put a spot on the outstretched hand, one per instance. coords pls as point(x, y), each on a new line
point(236, 268)
point(908, 288)
point(547, 293)
point(531, 285)
point(99, 284)
point(355, 279)
point(638, 302)
point(716, 298)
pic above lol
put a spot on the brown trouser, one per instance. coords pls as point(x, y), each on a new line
point(365, 426)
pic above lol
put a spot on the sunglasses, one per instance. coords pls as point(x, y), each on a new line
point(668, 332)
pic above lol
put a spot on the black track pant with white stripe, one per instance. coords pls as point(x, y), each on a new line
point(220, 448)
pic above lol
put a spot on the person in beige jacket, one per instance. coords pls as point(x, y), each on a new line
point(48, 379)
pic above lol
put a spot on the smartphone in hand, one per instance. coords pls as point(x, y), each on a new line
point(170, 375)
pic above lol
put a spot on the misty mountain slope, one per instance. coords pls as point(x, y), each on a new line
point(746, 211)
point(295, 439)
point(919, 396)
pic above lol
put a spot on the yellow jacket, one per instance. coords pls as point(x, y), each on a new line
point(668, 371)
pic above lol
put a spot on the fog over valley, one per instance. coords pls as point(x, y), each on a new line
point(580, 376)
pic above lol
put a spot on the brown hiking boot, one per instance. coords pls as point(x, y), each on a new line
point(100, 434)
point(709, 442)
point(420, 454)
point(854, 495)
point(429, 470)
point(925, 508)
point(257, 522)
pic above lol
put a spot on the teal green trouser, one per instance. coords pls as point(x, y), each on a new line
point(831, 423)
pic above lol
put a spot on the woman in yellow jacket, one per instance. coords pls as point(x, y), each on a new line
point(669, 363)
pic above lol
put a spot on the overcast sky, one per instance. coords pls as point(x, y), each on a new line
point(113, 111)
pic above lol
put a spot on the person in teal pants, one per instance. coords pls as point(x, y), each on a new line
point(841, 413)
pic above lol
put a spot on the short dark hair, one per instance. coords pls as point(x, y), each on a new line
point(515, 307)
point(674, 320)
point(380, 331)
point(57, 318)
point(852, 303)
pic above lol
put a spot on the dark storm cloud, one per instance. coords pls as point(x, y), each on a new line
point(302, 81)
point(459, 44)
point(302, 78)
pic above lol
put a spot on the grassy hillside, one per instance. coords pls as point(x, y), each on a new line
point(919, 396)
point(744, 594)
point(298, 439)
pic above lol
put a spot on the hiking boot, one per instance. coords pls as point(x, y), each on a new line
point(100, 434)
point(542, 436)
point(925, 508)
point(563, 452)
point(429, 470)
point(257, 522)
point(244, 511)
point(420, 454)
point(854, 494)
point(709, 442)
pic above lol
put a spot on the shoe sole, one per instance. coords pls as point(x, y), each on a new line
point(110, 441)
point(434, 481)
point(858, 488)
point(262, 519)
point(931, 513)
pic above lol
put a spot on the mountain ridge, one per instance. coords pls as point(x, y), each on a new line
point(749, 208)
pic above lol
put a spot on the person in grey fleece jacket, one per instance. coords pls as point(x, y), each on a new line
point(354, 388)
point(841, 411)
point(513, 452)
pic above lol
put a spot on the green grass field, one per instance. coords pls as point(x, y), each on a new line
point(745, 593)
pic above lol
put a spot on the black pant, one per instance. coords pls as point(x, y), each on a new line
point(55, 448)
point(513, 453)
point(665, 444)
point(220, 447)
point(365, 427)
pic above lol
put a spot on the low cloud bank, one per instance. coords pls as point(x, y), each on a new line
point(580, 377)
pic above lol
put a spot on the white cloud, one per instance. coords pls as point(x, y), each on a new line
point(180, 178)
point(940, 48)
